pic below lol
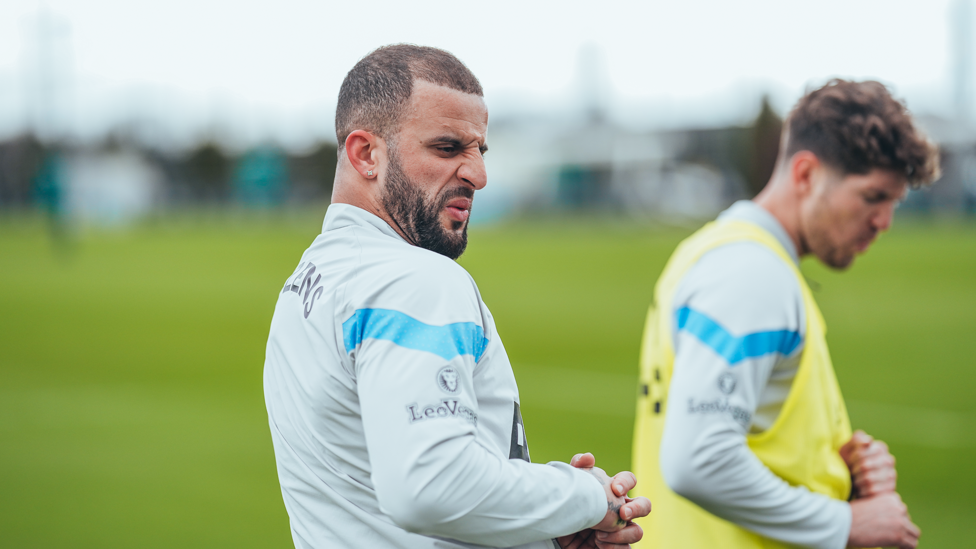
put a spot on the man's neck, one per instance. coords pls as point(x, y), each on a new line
point(354, 194)
point(785, 209)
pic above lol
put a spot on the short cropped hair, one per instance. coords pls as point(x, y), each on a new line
point(858, 126)
point(377, 89)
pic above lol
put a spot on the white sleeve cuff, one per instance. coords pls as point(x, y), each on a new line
point(595, 505)
point(843, 520)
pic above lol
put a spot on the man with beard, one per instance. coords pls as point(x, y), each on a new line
point(393, 408)
point(741, 414)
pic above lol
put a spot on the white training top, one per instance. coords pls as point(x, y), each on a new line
point(393, 406)
point(720, 393)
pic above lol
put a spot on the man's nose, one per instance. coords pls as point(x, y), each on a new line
point(884, 217)
point(472, 171)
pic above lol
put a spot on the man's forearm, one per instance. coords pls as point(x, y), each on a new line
point(720, 474)
point(465, 493)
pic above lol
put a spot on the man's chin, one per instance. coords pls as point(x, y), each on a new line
point(449, 241)
point(453, 227)
point(839, 262)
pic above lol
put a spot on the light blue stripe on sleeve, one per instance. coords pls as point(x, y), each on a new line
point(736, 349)
point(447, 342)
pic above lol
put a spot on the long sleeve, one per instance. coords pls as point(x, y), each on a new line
point(421, 354)
point(738, 325)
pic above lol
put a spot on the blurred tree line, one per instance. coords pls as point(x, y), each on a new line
point(20, 163)
point(748, 152)
point(208, 173)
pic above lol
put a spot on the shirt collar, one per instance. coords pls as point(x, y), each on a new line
point(339, 216)
point(750, 212)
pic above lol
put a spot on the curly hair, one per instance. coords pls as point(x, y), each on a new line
point(376, 90)
point(859, 126)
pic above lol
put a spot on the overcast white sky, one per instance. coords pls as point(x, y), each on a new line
point(275, 67)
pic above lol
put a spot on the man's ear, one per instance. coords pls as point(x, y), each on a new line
point(363, 152)
point(804, 166)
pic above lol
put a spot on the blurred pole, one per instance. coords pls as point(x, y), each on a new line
point(47, 64)
point(593, 84)
point(46, 67)
point(961, 23)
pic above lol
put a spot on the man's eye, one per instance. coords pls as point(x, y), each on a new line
point(874, 198)
point(449, 149)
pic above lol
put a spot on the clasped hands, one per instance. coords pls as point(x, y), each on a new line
point(616, 530)
point(879, 517)
point(872, 465)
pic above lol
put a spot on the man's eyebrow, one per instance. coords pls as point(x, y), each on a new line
point(456, 142)
point(449, 139)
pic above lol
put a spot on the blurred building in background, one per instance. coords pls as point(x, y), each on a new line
point(108, 185)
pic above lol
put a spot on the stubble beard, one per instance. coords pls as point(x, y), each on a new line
point(419, 218)
point(820, 243)
point(837, 259)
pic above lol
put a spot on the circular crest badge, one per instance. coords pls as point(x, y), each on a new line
point(726, 383)
point(447, 380)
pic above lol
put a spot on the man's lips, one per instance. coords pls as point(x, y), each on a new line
point(458, 209)
point(863, 244)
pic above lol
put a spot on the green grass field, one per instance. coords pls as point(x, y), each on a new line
point(130, 366)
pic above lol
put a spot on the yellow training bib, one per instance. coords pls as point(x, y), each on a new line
point(802, 445)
